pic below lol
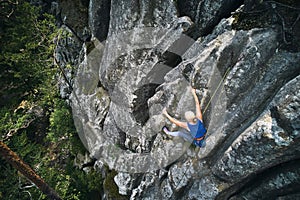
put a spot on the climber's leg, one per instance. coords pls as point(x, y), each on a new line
point(182, 134)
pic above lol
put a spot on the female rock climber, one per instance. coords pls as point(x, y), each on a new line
point(194, 125)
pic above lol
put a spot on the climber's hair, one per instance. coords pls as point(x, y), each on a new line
point(190, 116)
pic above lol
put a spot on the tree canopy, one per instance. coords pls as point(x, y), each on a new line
point(34, 121)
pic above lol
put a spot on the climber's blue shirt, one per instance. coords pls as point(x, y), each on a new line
point(198, 131)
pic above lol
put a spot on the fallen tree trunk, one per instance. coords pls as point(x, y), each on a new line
point(13, 159)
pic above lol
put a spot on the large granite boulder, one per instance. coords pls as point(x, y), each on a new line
point(144, 55)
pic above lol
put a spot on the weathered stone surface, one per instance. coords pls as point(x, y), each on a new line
point(204, 188)
point(147, 189)
point(74, 14)
point(67, 56)
point(281, 182)
point(268, 135)
point(125, 182)
point(98, 18)
point(247, 83)
point(206, 14)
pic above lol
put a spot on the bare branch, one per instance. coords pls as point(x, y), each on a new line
point(11, 12)
point(12, 132)
point(11, 5)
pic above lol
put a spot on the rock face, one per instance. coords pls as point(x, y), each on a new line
point(143, 55)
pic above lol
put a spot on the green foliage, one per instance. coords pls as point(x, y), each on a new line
point(8, 187)
point(26, 49)
point(90, 184)
point(12, 121)
point(62, 130)
point(60, 122)
point(6, 121)
point(27, 80)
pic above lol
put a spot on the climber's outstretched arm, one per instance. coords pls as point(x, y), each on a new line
point(175, 121)
point(198, 108)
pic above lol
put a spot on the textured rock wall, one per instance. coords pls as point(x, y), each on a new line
point(134, 58)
